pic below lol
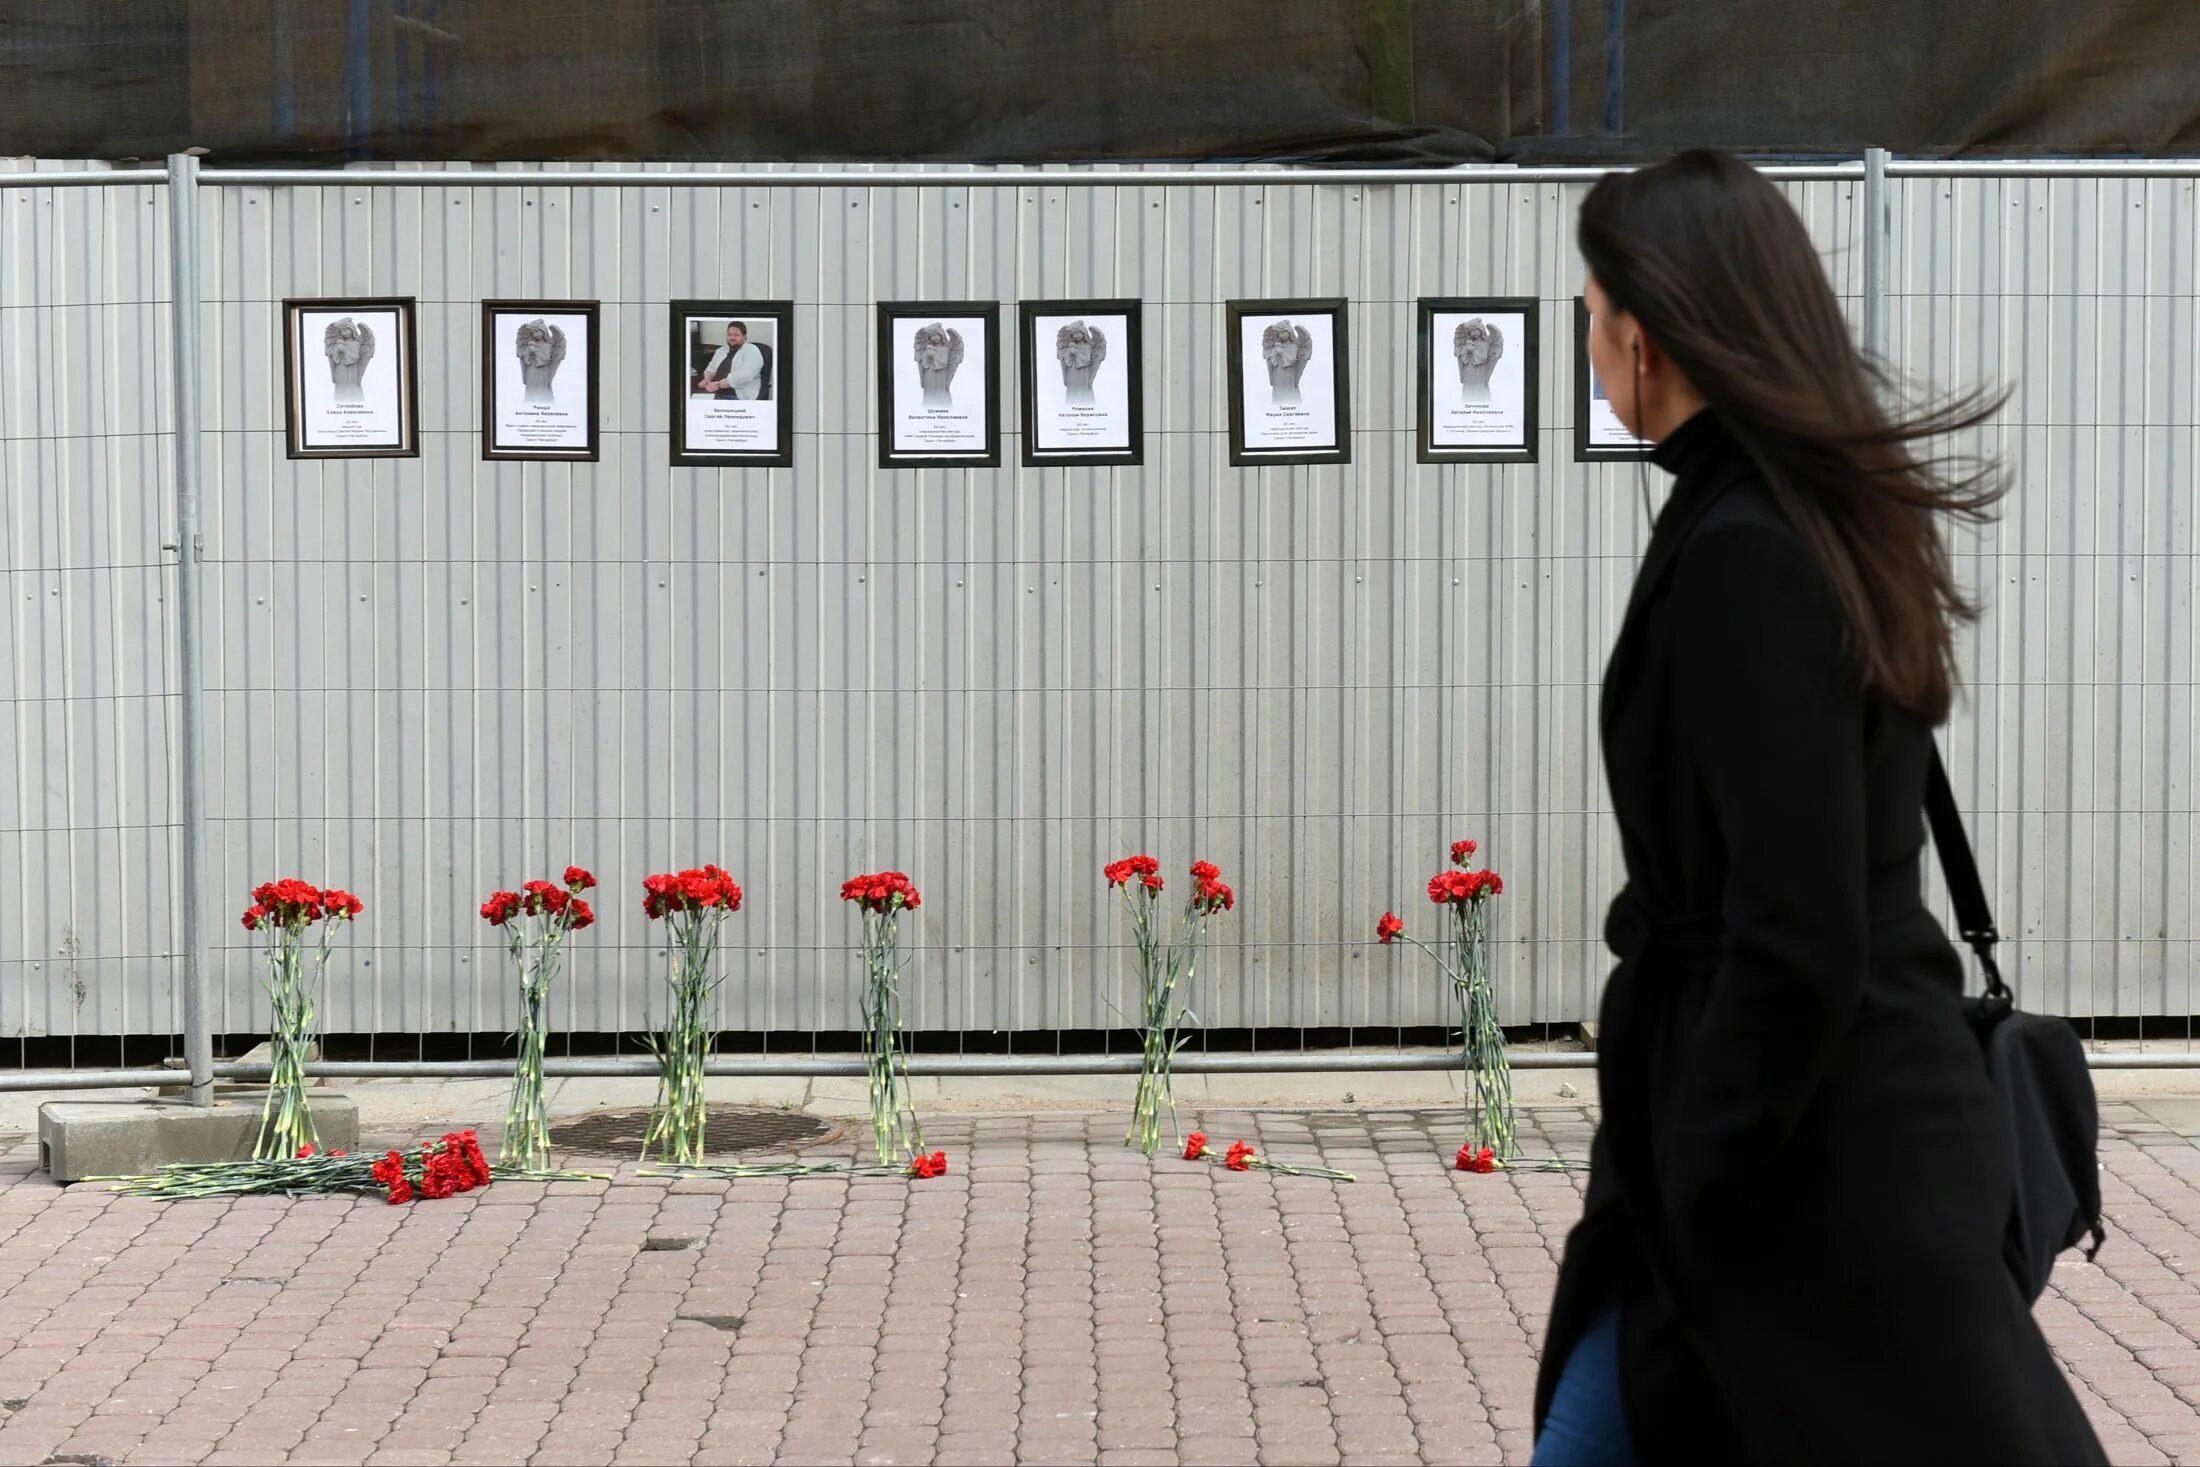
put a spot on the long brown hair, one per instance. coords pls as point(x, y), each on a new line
point(1717, 267)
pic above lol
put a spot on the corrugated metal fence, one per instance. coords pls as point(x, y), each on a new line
point(427, 678)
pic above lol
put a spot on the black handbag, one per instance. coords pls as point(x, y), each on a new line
point(2038, 1070)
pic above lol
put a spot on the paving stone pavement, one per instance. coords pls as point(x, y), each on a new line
point(1054, 1299)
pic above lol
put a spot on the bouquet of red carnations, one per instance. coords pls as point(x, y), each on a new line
point(284, 912)
point(437, 1169)
point(535, 920)
point(882, 897)
point(1163, 967)
point(694, 906)
point(1241, 1157)
point(1486, 1076)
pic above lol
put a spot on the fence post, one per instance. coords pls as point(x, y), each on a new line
point(183, 271)
point(1878, 228)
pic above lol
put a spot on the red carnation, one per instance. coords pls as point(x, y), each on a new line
point(1471, 1160)
point(255, 917)
point(1144, 870)
point(934, 1165)
point(305, 1151)
point(1389, 927)
point(1214, 896)
point(1195, 1146)
point(1462, 851)
point(1205, 871)
point(696, 889)
point(400, 1191)
point(577, 879)
point(583, 915)
point(1240, 1157)
point(882, 891)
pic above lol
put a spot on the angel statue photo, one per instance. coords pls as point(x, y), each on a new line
point(1300, 347)
point(939, 383)
point(1475, 379)
point(1287, 349)
point(540, 366)
point(540, 347)
point(939, 351)
point(1079, 365)
point(349, 346)
point(360, 398)
point(1476, 345)
point(1080, 349)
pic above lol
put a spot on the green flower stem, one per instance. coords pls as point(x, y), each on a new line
point(1300, 1171)
point(1161, 972)
point(894, 1128)
point(677, 1119)
point(796, 1170)
point(293, 979)
point(1485, 1072)
point(537, 945)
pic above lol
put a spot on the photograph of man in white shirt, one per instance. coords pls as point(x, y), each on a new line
point(740, 370)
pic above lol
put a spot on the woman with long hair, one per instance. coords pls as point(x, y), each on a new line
point(1792, 1248)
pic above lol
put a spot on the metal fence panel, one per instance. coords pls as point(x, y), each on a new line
point(428, 678)
point(2074, 750)
point(87, 812)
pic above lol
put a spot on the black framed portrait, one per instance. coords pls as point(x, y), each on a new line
point(1476, 370)
point(1290, 381)
point(540, 371)
point(732, 389)
point(351, 378)
point(1599, 435)
point(1083, 386)
point(939, 384)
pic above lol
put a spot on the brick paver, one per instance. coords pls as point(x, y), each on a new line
point(1055, 1298)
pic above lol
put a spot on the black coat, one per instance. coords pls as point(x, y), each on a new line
point(1800, 1184)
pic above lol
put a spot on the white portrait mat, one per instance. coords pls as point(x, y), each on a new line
point(377, 420)
point(1498, 425)
point(1105, 424)
point(732, 426)
point(960, 427)
point(1278, 427)
point(561, 428)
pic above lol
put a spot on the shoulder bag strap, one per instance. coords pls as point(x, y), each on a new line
point(1974, 915)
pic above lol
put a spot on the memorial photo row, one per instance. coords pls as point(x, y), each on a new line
point(731, 372)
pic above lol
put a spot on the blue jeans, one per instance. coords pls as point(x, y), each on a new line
point(1586, 1427)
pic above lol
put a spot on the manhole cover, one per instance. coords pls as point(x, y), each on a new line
point(620, 1132)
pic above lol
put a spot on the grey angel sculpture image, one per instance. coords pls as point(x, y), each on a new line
point(349, 346)
point(939, 351)
point(541, 351)
point(1477, 345)
point(1287, 349)
point(1080, 349)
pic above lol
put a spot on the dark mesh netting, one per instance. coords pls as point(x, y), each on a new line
point(1365, 81)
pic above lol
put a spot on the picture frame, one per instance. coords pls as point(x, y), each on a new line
point(1477, 402)
point(1290, 381)
point(543, 406)
point(1087, 404)
point(748, 420)
point(1599, 437)
point(361, 397)
point(927, 417)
